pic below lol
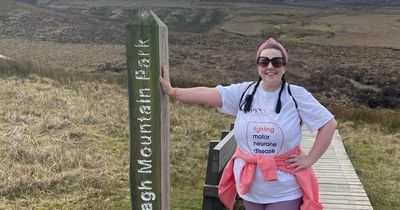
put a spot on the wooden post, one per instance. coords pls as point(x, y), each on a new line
point(147, 50)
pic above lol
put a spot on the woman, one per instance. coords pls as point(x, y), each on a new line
point(268, 170)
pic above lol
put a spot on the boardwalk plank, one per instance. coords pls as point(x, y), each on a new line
point(346, 201)
point(330, 206)
point(340, 187)
point(343, 197)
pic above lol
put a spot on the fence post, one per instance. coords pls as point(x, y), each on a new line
point(147, 49)
point(210, 192)
point(219, 154)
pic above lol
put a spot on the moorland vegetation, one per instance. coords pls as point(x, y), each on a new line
point(64, 137)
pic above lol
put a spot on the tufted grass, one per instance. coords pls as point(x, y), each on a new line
point(64, 145)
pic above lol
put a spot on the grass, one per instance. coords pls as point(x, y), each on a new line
point(24, 68)
point(185, 197)
point(61, 146)
point(64, 145)
point(55, 143)
point(387, 120)
point(375, 154)
point(68, 146)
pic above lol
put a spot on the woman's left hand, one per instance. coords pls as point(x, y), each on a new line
point(298, 162)
point(164, 80)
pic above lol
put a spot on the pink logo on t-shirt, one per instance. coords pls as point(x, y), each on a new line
point(264, 138)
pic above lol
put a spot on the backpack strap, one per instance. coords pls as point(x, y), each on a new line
point(290, 93)
point(295, 103)
point(244, 92)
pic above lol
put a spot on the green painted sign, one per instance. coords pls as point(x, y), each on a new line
point(147, 50)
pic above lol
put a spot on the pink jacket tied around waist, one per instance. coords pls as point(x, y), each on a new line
point(268, 166)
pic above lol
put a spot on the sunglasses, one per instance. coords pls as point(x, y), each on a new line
point(276, 62)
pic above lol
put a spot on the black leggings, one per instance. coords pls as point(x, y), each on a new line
point(286, 205)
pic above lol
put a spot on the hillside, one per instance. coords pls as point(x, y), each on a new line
point(336, 74)
point(354, 3)
point(64, 137)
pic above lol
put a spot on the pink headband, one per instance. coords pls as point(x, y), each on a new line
point(272, 41)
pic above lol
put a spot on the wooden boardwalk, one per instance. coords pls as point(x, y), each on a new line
point(339, 185)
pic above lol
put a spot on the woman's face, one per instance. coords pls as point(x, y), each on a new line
point(269, 73)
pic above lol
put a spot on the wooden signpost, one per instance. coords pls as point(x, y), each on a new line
point(147, 50)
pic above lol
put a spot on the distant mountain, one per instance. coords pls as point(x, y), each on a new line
point(320, 2)
point(28, 1)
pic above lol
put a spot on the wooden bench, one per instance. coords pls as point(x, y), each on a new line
point(340, 187)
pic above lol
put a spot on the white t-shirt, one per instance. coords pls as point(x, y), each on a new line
point(261, 131)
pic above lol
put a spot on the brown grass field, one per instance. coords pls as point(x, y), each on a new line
point(64, 114)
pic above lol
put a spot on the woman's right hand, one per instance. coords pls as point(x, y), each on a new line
point(164, 80)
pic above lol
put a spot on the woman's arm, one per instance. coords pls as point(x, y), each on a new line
point(321, 144)
point(199, 95)
point(196, 95)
